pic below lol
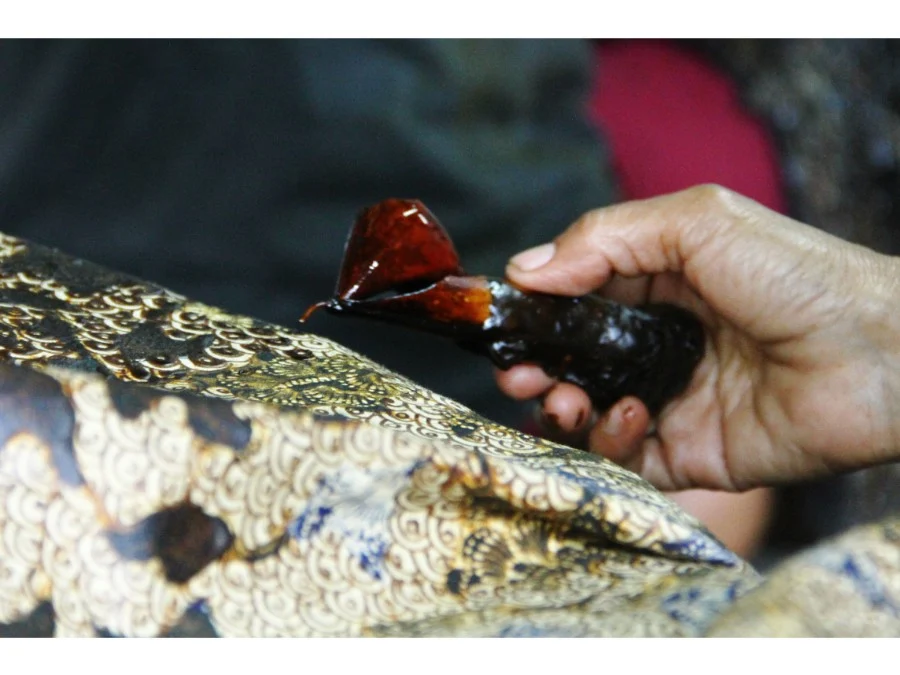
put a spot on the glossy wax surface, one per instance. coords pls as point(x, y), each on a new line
point(608, 349)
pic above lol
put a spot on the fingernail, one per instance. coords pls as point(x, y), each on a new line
point(530, 260)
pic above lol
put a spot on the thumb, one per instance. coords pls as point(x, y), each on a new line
point(631, 239)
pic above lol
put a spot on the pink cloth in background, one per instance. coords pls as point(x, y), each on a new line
point(673, 120)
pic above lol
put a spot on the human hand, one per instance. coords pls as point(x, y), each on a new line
point(800, 376)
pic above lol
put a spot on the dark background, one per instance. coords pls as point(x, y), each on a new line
point(231, 171)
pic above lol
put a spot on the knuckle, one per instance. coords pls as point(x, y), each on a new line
point(712, 196)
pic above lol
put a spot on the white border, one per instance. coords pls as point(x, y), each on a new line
point(445, 18)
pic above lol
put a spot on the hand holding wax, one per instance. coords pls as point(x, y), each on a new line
point(400, 266)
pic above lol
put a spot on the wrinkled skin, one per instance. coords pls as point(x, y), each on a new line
point(801, 377)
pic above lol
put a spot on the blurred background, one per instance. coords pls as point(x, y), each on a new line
point(231, 172)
